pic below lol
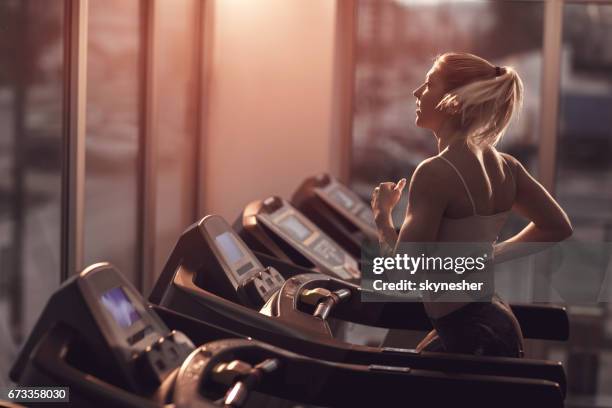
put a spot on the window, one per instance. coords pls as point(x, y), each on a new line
point(112, 140)
point(31, 101)
point(584, 167)
point(33, 96)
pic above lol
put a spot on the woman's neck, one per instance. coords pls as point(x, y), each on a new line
point(449, 137)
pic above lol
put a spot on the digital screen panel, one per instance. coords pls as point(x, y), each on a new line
point(293, 226)
point(229, 247)
point(120, 307)
point(343, 199)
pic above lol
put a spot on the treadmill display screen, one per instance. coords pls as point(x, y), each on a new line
point(120, 307)
point(294, 226)
point(229, 247)
point(343, 199)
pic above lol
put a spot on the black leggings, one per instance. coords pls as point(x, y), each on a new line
point(479, 328)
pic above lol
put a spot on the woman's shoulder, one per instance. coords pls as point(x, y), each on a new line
point(503, 157)
point(431, 165)
point(431, 179)
point(432, 169)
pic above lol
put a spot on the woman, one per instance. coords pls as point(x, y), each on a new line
point(466, 193)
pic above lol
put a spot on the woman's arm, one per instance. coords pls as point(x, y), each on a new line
point(548, 222)
point(387, 236)
point(427, 201)
point(426, 205)
point(384, 198)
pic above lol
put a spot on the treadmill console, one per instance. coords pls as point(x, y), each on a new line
point(295, 229)
point(110, 322)
point(120, 312)
point(338, 211)
point(346, 202)
point(253, 283)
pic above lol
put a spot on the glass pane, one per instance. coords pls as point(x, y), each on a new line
point(175, 123)
point(584, 178)
point(397, 42)
point(31, 98)
point(585, 124)
point(111, 177)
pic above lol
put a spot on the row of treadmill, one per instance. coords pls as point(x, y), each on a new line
point(274, 305)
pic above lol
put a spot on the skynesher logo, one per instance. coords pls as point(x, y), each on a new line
point(412, 264)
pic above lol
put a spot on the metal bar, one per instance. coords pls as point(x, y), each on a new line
point(147, 191)
point(19, 201)
point(596, 2)
point(74, 112)
point(207, 38)
point(549, 101)
point(198, 112)
point(343, 89)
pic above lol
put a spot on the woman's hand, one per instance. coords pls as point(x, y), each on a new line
point(385, 197)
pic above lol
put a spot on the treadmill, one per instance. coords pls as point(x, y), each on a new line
point(213, 276)
point(98, 339)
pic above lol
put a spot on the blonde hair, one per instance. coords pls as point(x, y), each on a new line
point(486, 96)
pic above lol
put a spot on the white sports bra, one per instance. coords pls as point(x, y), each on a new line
point(473, 228)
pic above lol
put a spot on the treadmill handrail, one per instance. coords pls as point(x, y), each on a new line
point(384, 382)
point(546, 322)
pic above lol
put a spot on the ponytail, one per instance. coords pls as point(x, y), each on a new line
point(485, 96)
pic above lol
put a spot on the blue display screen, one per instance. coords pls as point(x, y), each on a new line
point(229, 247)
point(120, 307)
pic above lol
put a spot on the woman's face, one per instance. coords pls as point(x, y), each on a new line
point(428, 96)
